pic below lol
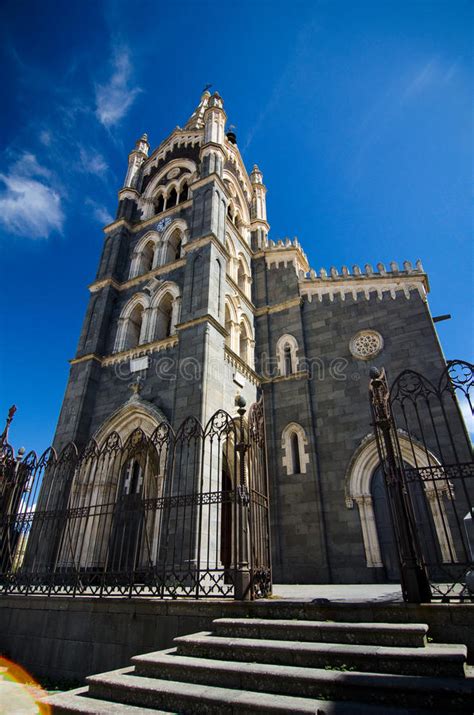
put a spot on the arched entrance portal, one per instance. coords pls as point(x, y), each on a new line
point(365, 486)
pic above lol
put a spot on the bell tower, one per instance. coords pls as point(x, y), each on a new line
point(171, 306)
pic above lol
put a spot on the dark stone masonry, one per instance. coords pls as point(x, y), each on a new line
point(192, 297)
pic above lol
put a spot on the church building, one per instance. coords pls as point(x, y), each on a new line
point(194, 304)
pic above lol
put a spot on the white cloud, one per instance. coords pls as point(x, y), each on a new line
point(29, 205)
point(99, 212)
point(114, 98)
point(45, 137)
point(92, 162)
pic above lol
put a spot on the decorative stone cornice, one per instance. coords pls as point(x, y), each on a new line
point(278, 307)
point(237, 362)
point(140, 225)
point(86, 358)
point(300, 375)
point(207, 318)
point(141, 350)
point(167, 268)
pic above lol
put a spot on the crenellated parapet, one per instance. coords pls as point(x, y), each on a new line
point(284, 252)
point(365, 282)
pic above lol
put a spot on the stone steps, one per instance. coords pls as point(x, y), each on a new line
point(442, 660)
point(390, 634)
point(247, 666)
point(194, 698)
point(399, 690)
point(73, 702)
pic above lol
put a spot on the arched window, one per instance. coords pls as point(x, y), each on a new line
point(295, 453)
point(245, 342)
point(164, 312)
point(228, 326)
point(241, 282)
point(287, 355)
point(147, 256)
point(243, 276)
point(172, 248)
point(172, 199)
point(288, 359)
point(134, 331)
point(294, 443)
point(160, 204)
point(184, 192)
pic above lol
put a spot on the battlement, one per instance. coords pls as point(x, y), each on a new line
point(285, 251)
point(358, 283)
point(368, 272)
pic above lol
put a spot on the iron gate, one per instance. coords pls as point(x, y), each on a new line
point(172, 514)
point(422, 431)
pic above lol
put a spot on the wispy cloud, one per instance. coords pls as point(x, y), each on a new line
point(29, 204)
point(99, 212)
point(114, 99)
point(92, 162)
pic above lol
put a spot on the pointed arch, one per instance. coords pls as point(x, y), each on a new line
point(294, 443)
point(236, 191)
point(165, 311)
point(172, 242)
point(287, 354)
point(144, 255)
point(246, 342)
point(358, 481)
point(132, 324)
point(244, 279)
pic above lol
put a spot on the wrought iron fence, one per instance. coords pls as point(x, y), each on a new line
point(425, 449)
point(173, 514)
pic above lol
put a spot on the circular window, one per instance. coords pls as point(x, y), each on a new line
point(366, 344)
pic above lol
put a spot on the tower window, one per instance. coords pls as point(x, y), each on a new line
point(172, 199)
point(294, 443)
point(288, 360)
point(295, 454)
point(287, 355)
point(160, 204)
point(134, 328)
point(183, 194)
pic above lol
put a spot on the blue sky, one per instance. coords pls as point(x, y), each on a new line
point(358, 113)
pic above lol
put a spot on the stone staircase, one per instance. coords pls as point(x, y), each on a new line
point(252, 665)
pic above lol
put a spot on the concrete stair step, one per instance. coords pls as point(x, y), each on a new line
point(388, 634)
point(122, 686)
point(78, 702)
point(454, 694)
point(440, 660)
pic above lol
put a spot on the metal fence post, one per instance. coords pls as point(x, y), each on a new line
point(242, 590)
point(413, 576)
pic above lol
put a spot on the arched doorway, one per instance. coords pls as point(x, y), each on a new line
point(383, 521)
point(385, 531)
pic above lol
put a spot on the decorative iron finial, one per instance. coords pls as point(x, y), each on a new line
point(207, 87)
point(4, 435)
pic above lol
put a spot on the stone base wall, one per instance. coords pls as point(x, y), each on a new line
point(65, 639)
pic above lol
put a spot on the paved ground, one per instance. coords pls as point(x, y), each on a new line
point(353, 593)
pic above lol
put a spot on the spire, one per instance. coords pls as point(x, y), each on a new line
point(196, 120)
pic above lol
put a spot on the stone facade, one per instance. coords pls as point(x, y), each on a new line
point(193, 298)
